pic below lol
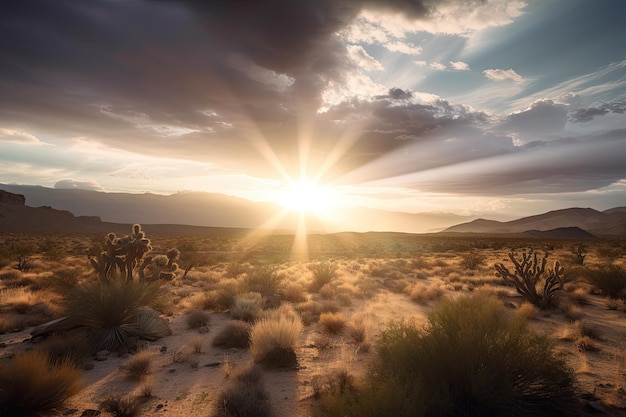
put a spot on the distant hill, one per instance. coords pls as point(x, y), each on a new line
point(609, 222)
point(561, 233)
point(219, 210)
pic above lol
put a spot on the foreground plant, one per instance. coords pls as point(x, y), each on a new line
point(113, 312)
point(529, 272)
point(273, 339)
point(473, 360)
point(30, 384)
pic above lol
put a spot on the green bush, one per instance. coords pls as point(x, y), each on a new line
point(30, 384)
point(608, 278)
point(473, 360)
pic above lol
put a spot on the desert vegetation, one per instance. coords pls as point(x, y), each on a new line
point(365, 324)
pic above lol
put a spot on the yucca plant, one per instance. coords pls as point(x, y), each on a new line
point(109, 310)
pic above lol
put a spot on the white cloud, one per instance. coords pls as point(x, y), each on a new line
point(18, 136)
point(363, 59)
point(459, 66)
point(502, 75)
point(420, 63)
point(403, 47)
point(438, 66)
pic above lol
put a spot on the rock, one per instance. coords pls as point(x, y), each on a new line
point(88, 366)
point(102, 355)
point(163, 349)
point(597, 406)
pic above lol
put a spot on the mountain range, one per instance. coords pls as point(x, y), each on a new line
point(35, 208)
point(219, 210)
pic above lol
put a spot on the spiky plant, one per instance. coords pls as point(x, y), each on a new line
point(109, 310)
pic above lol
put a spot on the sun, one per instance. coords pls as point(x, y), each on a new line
point(306, 197)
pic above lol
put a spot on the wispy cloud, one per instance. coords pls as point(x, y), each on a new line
point(502, 75)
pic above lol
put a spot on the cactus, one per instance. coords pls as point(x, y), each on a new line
point(528, 272)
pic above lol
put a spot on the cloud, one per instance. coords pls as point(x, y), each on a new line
point(537, 122)
point(502, 75)
point(78, 185)
point(18, 136)
point(589, 113)
point(459, 66)
point(438, 66)
point(360, 56)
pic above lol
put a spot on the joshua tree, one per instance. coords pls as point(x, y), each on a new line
point(124, 253)
point(528, 272)
point(580, 251)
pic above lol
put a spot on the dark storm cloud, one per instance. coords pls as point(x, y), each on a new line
point(128, 72)
point(587, 114)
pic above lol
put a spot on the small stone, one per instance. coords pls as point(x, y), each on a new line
point(159, 406)
point(103, 353)
point(3, 345)
point(163, 349)
point(597, 406)
point(88, 366)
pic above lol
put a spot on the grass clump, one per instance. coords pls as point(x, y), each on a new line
point(473, 360)
point(245, 395)
point(138, 365)
point(235, 334)
point(323, 274)
point(332, 323)
point(247, 306)
point(122, 406)
point(198, 318)
point(264, 280)
point(31, 383)
point(273, 339)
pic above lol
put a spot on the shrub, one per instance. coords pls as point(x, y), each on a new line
point(610, 279)
point(472, 260)
point(247, 306)
point(30, 384)
point(473, 360)
point(198, 318)
point(264, 280)
point(138, 365)
point(109, 310)
point(273, 339)
point(122, 406)
point(245, 395)
point(332, 322)
point(235, 334)
point(323, 273)
point(529, 271)
point(422, 294)
point(72, 346)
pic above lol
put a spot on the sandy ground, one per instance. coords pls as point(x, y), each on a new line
point(185, 383)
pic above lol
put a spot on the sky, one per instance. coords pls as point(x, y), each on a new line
point(490, 108)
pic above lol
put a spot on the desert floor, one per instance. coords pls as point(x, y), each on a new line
point(371, 288)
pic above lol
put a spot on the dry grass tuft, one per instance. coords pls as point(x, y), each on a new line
point(332, 323)
point(30, 384)
point(247, 306)
point(245, 395)
point(198, 318)
point(274, 339)
point(235, 334)
point(423, 294)
point(138, 365)
point(122, 406)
